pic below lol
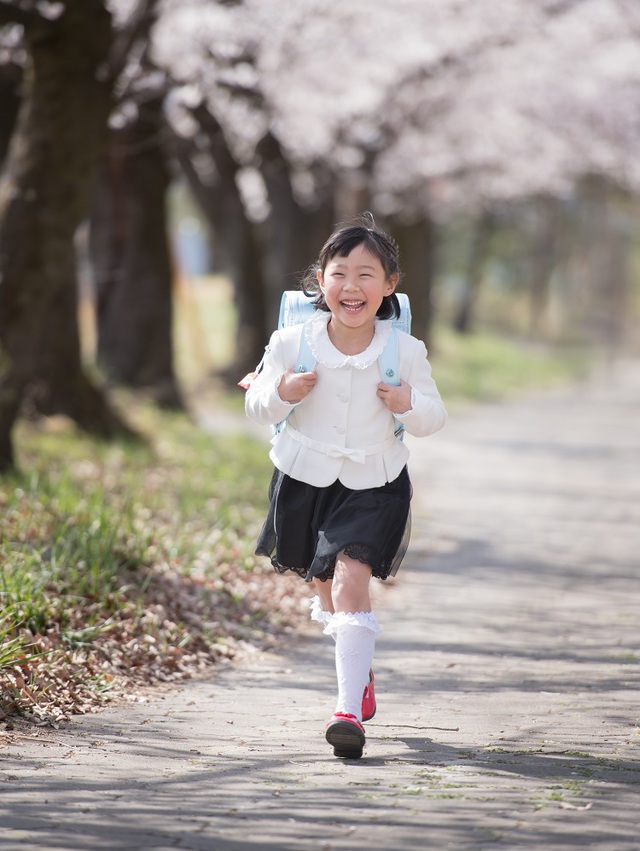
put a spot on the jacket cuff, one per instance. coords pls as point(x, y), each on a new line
point(277, 394)
point(411, 409)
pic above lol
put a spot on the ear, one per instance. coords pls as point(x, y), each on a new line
point(391, 283)
point(320, 281)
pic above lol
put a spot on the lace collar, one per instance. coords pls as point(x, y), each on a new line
point(323, 350)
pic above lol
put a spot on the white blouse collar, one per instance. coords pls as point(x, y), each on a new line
point(323, 350)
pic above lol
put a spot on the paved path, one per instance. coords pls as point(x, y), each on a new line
point(508, 675)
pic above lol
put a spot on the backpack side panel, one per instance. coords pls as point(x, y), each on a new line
point(403, 322)
point(296, 307)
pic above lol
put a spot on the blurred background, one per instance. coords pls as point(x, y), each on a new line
point(169, 168)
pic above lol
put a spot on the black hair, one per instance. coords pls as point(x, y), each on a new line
point(347, 235)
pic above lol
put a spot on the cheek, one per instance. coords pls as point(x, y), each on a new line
point(330, 291)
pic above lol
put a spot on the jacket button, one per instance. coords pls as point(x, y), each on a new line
point(340, 429)
point(344, 397)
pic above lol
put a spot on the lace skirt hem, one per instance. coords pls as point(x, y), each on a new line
point(308, 527)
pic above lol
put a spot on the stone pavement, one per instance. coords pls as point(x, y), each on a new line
point(507, 672)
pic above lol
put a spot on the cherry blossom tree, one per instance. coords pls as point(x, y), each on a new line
point(285, 117)
point(418, 109)
point(74, 57)
point(131, 260)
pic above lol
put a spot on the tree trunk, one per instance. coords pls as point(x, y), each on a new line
point(606, 280)
point(481, 240)
point(294, 233)
point(10, 80)
point(543, 262)
point(131, 260)
point(43, 198)
point(221, 203)
point(417, 243)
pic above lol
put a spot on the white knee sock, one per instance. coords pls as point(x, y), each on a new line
point(355, 634)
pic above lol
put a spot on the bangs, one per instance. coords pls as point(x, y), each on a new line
point(351, 238)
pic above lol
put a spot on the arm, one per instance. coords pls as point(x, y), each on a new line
point(276, 389)
point(416, 403)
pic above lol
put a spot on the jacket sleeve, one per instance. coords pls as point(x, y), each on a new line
point(427, 413)
point(262, 402)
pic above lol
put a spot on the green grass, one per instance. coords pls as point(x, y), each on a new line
point(114, 543)
point(203, 327)
point(61, 539)
point(486, 367)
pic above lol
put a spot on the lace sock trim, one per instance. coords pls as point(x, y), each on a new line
point(341, 619)
point(317, 612)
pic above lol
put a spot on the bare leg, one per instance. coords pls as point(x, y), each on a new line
point(323, 590)
point(350, 588)
point(347, 590)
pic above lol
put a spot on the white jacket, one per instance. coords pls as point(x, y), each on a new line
point(342, 430)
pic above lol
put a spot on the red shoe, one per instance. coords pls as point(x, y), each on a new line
point(369, 699)
point(346, 734)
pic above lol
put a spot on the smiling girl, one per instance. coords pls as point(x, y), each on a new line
point(340, 494)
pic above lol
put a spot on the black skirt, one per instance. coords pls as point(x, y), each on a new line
point(307, 527)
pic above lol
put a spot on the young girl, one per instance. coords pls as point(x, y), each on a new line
point(340, 493)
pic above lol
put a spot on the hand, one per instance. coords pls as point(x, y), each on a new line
point(294, 386)
point(396, 399)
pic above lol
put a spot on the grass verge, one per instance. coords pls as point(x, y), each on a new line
point(485, 367)
point(123, 567)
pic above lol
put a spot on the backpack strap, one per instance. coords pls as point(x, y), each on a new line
point(389, 366)
point(305, 362)
point(388, 361)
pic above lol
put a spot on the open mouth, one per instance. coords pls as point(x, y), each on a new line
point(352, 306)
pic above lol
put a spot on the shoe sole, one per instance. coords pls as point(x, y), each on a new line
point(347, 740)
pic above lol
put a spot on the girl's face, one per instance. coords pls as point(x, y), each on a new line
point(354, 286)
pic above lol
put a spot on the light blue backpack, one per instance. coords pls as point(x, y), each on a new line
point(296, 308)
